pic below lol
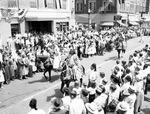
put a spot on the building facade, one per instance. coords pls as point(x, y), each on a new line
point(105, 12)
point(20, 16)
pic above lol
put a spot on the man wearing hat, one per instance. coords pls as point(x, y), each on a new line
point(57, 107)
point(101, 98)
point(77, 105)
point(131, 97)
point(92, 108)
point(123, 108)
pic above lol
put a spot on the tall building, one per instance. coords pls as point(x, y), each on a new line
point(106, 12)
point(20, 16)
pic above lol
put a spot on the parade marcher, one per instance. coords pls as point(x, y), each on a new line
point(119, 48)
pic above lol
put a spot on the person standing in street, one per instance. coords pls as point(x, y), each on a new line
point(34, 109)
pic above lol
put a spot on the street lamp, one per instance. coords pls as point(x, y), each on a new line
point(89, 19)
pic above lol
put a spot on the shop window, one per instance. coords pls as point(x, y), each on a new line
point(33, 3)
point(12, 3)
point(15, 29)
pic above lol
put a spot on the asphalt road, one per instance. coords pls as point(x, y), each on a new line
point(15, 97)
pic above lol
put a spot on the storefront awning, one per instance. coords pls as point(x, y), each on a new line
point(46, 15)
point(134, 23)
point(81, 19)
point(107, 24)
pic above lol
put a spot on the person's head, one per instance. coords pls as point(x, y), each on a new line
point(93, 67)
point(91, 108)
point(104, 81)
point(66, 91)
point(128, 71)
point(33, 104)
point(113, 87)
point(93, 85)
point(76, 84)
point(85, 85)
point(57, 103)
point(99, 90)
point(102, 74)
point(127, 79)
point(117, 62)
point(85, 92)
point(122, 107)
point(73, 94)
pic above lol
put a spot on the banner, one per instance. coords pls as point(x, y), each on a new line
point(22, 13)
point(8, 14)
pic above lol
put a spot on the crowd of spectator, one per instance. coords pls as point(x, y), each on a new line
point(124, 94)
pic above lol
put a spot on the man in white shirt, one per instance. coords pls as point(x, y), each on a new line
point(131, 98)
point(101, 98)
point(77, 105)
point(66, 99)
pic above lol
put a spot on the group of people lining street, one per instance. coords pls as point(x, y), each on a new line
point(124, 94)
point(30, 53)
point(23, 55)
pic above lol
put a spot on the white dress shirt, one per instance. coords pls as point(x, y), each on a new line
point(77, 107)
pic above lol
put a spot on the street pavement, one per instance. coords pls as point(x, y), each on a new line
point(15, 97)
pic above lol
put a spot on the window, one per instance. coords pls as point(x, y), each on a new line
point(33, 3)
point(79, 6)
point(92, 5)
point(64, 4)
point(50, 4)
point(109, 7)
point(12, 3)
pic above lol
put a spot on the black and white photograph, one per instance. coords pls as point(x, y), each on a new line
point(74, 56)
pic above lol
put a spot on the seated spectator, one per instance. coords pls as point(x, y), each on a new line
point(34, 109)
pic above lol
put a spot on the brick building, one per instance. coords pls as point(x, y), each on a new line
point(20, 16)
point(106, 12)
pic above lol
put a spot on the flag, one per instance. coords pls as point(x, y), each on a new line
point(4, 13)
point(22, 13)
point(8, 13)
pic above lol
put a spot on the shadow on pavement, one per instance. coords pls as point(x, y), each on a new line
point(146, 111)
point(54, 78)
point(35, 81)
point(112, 58)
point(56, 94)
point(147, 99)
